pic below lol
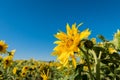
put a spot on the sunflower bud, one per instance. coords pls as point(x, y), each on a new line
point(88, 44)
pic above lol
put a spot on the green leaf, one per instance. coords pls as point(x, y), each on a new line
point(85, 77)
point(78, 77)
point(97, 50)
point(79, 68)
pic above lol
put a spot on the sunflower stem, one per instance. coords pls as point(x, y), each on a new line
point(88, 63)
point(98, 69)
point(97, 64)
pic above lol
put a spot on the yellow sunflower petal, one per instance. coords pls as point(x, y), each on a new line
point(85, 34)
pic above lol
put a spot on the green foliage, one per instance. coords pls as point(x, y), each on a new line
point(105, 58)
point(116, 40)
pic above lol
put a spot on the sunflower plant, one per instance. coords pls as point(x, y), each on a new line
point(91, 60)
point(6, 60)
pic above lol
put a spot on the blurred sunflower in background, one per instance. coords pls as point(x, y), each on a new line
point(3, 46)
point(7, 61)
point(12, 52)
point(15, 70)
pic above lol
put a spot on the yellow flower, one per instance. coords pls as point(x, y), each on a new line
point(93, 40)
point(111, 50)
point(12, 52)
point(67, 44)
point(25, 68)
point(100, 44)
point(23, 74)
point(7, 61)
point(51, 64)
point(45, 76)
point(15, 70)
point(85, 68)
point(84, 34)
point(74, 62)
point(3, 46)
point(82, 61)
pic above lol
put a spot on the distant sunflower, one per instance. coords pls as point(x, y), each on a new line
point(12, 52)
point(111, 50)
point(23, 74)
point(67, 44)
point(3, 46)
point(7, 61)
point(15, 70)
point(25, 69)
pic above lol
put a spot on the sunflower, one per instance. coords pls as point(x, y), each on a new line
point(12, 52)
point(25, 68)
point(3, 46)
point(67, 44)
point(7, 61)
point(15, 70)
point(23, 74)
point(111, 50)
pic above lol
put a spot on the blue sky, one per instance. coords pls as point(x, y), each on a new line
point(29, 25)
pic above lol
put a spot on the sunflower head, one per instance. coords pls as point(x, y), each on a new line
point(7, 61)
point(68, 42)
point(88, 44)
point(23, 74)
point(111, 50)
point(25, 68)
point(3, 46)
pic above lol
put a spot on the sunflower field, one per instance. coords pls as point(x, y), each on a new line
point(77, 58)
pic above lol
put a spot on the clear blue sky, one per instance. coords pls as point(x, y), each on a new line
point(29, 25)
